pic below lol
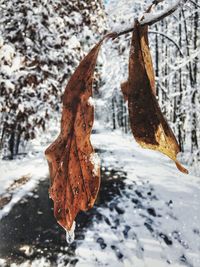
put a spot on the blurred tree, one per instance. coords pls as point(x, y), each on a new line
point(41, 42)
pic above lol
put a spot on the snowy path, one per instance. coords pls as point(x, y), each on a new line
point(152, 220)
point(158, 220)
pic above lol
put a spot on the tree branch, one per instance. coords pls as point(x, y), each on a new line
point(194, 3)
point(149, 20)
point(170, 39)
point(154, 3)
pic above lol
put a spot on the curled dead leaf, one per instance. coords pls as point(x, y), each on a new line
point(148, 124)
point(74, 174)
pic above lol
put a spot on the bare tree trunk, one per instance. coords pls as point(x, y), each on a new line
point(157, 57)
point(188, 49)
point(12, 143)
point(113, 113)
point(181, 133)
point(194, 144)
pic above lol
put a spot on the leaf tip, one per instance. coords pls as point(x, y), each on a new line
point(181, 168)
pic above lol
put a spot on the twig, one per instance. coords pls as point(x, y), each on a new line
point(150, 22)
point(163, 15)
point(154, 4)
point(170, 39)
point(194, 3)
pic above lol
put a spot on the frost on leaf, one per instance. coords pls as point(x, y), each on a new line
point(148, 125)
point(91, 101)
point(70, 234)
point(74, 183)
point(94, 159)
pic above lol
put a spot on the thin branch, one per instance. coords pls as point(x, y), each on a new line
point(159, 17)
point(162, 14)
point(128, 30)
point(170, 39)
point(154, 3)
point(194, 3)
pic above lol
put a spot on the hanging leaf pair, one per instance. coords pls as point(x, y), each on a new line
point(73, 165)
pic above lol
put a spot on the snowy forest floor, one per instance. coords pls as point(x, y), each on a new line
point(147, 213)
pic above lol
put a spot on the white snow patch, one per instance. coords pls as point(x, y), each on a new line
point(73, 42)
point(2, 262)
point(28, 251)
point(34, 166)
point(7, 52)
point(35, 263)
point(95, 160)
point(77, 18)
point(91, 101)
point(1, 41)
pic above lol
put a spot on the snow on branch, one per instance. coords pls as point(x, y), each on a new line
point(151, 18)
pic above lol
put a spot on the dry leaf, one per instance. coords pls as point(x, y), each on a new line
point(148, 125)
point(73, 165)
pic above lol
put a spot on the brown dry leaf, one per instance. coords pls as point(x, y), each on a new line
point(73, 165)
point(148, 125)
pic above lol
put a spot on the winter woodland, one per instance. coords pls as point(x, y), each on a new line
point(42, 43)
point(150, 216)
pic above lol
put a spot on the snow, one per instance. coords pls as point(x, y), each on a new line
point(91, 101)
point(10, 62)
point(77, 18)
point(145, 169)
point(34, 167)
point(149, 17)
point(40, 45)
point(27, 250)
point(7, 52)
point(2, 262)
point(95, 160)
point(38, 262)
point(159, 222)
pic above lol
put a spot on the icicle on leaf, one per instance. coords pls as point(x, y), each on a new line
point(70, 233)
point(74, 177)
point(148, 125)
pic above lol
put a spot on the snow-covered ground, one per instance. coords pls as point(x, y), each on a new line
point(19, 177)
point(155, 221)
point(160, 220)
